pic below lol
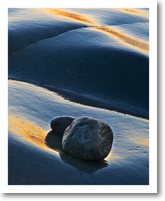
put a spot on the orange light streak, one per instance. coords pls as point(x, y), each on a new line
point(74, 16)
point(134, 11)
point(125, 38)
point(29, 130)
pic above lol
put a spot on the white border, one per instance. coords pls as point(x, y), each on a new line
point(82, 4)
point(152, 187)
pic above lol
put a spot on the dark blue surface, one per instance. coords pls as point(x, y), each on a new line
point(77, 61)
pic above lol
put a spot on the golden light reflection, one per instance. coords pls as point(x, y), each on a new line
point(141, 140)
point(74, 16)
point(136, 43)
point(125, 38)
point(30, 131)
point(112, 156)
point(134, 11)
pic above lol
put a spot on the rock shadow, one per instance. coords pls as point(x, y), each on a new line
point(54, 141)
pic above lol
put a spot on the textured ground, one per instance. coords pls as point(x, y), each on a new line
point(85, 62)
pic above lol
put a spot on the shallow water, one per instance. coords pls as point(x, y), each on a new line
point(87, 62)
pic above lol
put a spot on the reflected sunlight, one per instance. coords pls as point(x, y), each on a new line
point(29, 130)
point(141, 140)
point(112, 156)
point(136, 43)
point(134, 11)
point(74, 16)
point(125, 38)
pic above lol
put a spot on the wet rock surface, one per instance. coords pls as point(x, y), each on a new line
point(59, 124)
point(88, 138)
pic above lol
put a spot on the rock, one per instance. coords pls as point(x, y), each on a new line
point(59, 124)
point(88, 138)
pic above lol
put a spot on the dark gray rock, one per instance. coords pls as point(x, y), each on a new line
point(88, 138)
point(59, 124)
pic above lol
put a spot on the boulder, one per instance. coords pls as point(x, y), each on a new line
point(88, 138)
point(59, 124)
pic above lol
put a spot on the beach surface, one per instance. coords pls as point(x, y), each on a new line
point(78, 62)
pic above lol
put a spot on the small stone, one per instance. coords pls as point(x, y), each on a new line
point(59, 124)
point(88, 138)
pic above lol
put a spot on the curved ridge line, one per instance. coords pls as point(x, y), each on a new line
point(73, 16)
point(48, 38)
point(59, 91)
point(66, 32)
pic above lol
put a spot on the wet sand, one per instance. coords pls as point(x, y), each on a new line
point(78, 62)
point(36, 155)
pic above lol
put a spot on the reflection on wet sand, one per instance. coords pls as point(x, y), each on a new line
point(112, 156)
point(29, 130)
point(125, 38)
point(140, 44)
point(141, 140)
point(36, 135)
point(73, 16)
point(134, 11)
point(54, 141)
